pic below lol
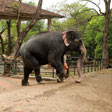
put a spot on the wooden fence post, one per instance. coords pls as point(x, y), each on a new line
point(14, 67)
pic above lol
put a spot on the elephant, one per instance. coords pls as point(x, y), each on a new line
point(50, 48)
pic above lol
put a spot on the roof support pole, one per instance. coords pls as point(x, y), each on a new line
point(49, 24)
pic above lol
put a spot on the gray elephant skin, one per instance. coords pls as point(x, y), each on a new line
point(49, 48)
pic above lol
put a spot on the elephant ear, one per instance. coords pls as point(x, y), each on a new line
point(66, 38)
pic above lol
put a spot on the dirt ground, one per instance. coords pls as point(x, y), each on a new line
point(94, 94)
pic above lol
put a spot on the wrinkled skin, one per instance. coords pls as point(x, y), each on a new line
point(49, 48)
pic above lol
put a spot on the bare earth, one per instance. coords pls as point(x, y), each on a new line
point(94, 94)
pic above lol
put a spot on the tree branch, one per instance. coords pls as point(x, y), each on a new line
point(3, 31)
point(34, 19)
point(88, 10)
point(1, 39)
point(26, 30)
point(96, 6)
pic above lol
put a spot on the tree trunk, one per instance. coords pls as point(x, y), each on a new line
point(9, 37)
point(2, 45)
point(21, 35)
point(105, 32)
point(49, 24)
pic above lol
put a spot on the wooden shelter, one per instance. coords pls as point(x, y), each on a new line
point(9, 10)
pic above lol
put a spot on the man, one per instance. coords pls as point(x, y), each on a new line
point(66, 66)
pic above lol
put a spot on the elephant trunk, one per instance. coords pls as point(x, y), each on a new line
point(80, 61)
point(83, 52)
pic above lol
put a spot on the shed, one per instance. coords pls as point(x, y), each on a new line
point(9, 11)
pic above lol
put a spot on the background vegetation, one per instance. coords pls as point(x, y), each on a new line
point(78, 17)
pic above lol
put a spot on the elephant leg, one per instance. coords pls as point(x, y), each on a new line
point(57, 63)
point(27, 71)
point(34, 64)
point(37, 74)
point(59, 71)
point(36, 67)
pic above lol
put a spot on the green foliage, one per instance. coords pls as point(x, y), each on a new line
point(77, 17)
point(31, 3)
point(37, 28)
point(93, 37)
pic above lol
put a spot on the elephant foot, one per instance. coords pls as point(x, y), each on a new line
point(24, 83)
point(39, 80)
point(59, 79)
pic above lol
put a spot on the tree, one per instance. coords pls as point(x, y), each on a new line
point(75, 17)
point(2, 42)
point(91, 27)
point(93, 37)
point(9, 36)
point(107, 15)
point(110, 39)
point(22, 34)
point(105, 32)
point(37, 28)
point(3, 28)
